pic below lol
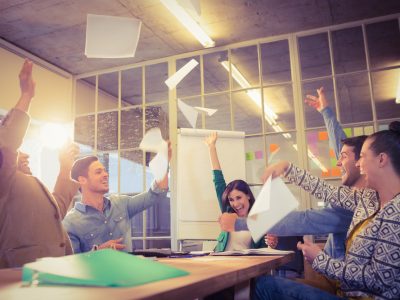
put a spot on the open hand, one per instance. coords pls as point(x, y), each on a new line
point(320, 102)
point(26, 83)
point(211, 140)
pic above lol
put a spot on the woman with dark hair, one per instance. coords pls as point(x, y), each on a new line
point(236, 197)
point(371, 266)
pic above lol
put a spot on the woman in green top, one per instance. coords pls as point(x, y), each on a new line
point(236, 197)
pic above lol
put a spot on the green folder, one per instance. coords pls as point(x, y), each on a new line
point(98, 268)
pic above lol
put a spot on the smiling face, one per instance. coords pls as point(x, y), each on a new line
point(96, 180)
point(347, 164)
point(369, 164)
point(240, 202)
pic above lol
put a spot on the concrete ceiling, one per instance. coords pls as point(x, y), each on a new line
point(54, 30)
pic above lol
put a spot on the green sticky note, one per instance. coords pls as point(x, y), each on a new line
point(348, 132)
point(333, 162)
point(249, 155)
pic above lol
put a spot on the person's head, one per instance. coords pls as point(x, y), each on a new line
point(23, 163)
point(238, 195)
point(380, 155)
point(91, 175)
point(348, 158)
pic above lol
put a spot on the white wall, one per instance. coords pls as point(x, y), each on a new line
point(53, 98)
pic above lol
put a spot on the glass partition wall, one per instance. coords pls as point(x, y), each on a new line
point(258, 87)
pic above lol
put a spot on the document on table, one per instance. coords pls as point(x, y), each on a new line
point(259, 251)
point(273, 203)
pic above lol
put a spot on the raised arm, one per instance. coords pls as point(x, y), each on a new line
point(66, 188)
point(14, 126)
point(335, 130)
point(218, 176)
point(211, 141)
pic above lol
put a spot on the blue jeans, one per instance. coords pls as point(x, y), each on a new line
point(274, 288)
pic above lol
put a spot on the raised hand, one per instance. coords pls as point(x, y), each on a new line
point(67, 156)
point(320, 102)
point(26, 83)
point(211, 140)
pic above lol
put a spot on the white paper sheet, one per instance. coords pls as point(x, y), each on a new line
point(208, 111)
point(153, 142)
point(173, 81)
point(189, 112)
point(111, 37)
point(273, 203)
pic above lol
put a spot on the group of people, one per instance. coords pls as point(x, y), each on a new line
point(361, 258)
point(35, 223)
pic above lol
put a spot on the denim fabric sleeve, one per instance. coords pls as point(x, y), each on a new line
point(318, 221)
point(340, 196)
point(335, 130)
point(219, 185)
point(137, 204)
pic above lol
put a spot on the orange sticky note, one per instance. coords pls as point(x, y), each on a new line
point(323, 135)
point(336, 172)
point(332, 153)
point(273, 147)
point(324, 174)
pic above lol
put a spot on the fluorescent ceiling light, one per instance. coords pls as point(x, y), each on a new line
point(270, 115)
point(190, 24)
point(254, 95)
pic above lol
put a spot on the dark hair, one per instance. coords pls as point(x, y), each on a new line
point(239, 185)
point(81, 166)
point(388, 141)
point(356, 142)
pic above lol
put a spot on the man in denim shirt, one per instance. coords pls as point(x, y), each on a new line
point(98, 222)
point(334, 221)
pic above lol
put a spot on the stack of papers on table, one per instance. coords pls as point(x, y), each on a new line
point(259, 251)
point(98, 268)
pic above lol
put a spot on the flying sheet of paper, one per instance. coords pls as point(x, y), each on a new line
point(111, 37)
point(189, 112)
point(173, 81)
point(273, 203)
point(159, 164)
point(153, 142)
point(208, 111)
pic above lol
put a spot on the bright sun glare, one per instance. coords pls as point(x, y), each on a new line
point(54, 135)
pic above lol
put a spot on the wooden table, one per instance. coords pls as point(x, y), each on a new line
point(208, 275)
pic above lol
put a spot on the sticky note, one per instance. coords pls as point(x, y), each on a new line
point(333, 162)
point(273, 147)
point(358, 131)
point(348, 132)
point(368, 130)
point(250, 155)
point(323, 135)
point(258, 154)
point(336, 172)
point(332, 153)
